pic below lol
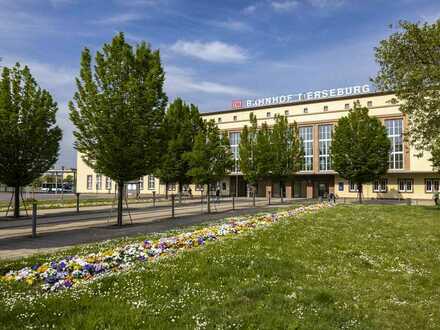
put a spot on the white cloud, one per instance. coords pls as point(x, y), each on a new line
point(58, 3)
point(119, 19)
point(215, 51)
point(249, 9)
point(232, 25)
point(179, 81)
point(282, 6)
point(326, 3)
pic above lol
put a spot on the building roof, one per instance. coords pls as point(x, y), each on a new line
point(329, 99)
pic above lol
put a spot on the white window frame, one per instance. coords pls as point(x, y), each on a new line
point(380, 186)
point(89, 182)
point(434, 185)
point(141, 183)
point(234, 140)
point(353, 187)
point(306, 135)
point(404, 183)
point(151, 182)
point(325, 133)
point(395, 133)
point(98, 182)
point(108, 183)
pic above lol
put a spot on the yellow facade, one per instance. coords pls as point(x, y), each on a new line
point(313, 115)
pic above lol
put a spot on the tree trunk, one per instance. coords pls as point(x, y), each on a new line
point(209, 198)
point(17, 202)
point(253, 195)
point(120, 197)
point(281, 191)
point(166, 190)
point(360, 192)
point(180, 192)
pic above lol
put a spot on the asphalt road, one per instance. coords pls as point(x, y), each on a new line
point(61, 230)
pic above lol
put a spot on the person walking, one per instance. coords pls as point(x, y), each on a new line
point(217, 194)
point(190, 192)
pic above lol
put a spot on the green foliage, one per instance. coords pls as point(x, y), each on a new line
point(29, 139)
point(435, 155)
point(248, 151)
point(409, 65)
point(118, 109)
point(181, 124)
point(286, 149)
point(360, 147)
point(361, 267)
point(264, 155)
point(211, 157)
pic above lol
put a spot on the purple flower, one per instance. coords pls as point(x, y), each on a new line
point(35, 267)
point(201, 241)
point(67, 283)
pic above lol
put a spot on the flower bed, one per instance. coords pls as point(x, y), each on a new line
point(70, 271)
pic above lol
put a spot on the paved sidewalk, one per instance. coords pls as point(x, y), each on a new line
point(69, 230)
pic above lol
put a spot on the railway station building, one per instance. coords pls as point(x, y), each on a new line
point(316, 113)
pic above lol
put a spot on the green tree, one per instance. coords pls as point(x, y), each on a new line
point(435, 158)
point(211, 157)
point(286, 149)
point(118, 111)
point(29, 139)
point(360, 148)
point(409, 66)
point(181, 124)
point(248, 154)
point(263, 157)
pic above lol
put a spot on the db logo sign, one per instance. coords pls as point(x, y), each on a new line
point(237, 104)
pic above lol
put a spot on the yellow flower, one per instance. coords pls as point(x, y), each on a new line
point(30, 281)
point(42, 268)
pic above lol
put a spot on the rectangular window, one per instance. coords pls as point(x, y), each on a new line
point(234, 141)
point(306, 110)
point(325, 107)
point(151, 182)
point(341, 186)
point(89, 182)
point(380, 185)
point(369, 103)
point(172, 187)
point(353, 187)
point(395, 132)
point(108, 183)
point(432, 185)
point(267, 114)
point(286, 112)
point(325, 140)
point(306, 135)
point(347, 106)
point(235, 118)
point(98, 181)
point(405, 185)
point(141, 183)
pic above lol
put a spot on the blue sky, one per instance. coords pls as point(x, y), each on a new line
point(213, 51)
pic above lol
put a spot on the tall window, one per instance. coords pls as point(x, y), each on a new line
point(395, 130)
point(234, 140)
point(432, 185)
point(306, 135)
point(108, 183)
point(89, 182)
point(151, 182)
point(98, 181)
point(325, 141)
point(141, 183)
point(405, 185)
point(380, 185)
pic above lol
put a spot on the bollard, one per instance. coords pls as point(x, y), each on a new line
point(172, 205)
point(233, 203)
point(154, 199)
point(34, 219)
point(77, 202)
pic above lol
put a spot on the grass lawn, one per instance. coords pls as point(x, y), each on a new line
point(364, 267)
